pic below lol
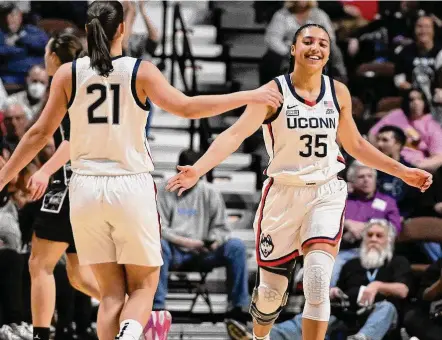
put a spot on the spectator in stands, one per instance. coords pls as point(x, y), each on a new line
point(196, 236)
point(390, 140)
point(281, 30)
point(16, 123)
point(73, 11)
point(21, 46)
point(373, 286)
point(417, 64)
point(363, 204)
point(32, 98)
point(425, 225)
point(3, 96)
point(423, 148)
point(389, 29)
point(424, 319)
point(138, 45)
point(386, 278)
point(11, 268)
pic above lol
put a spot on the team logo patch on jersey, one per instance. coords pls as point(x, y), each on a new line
point(266, 245)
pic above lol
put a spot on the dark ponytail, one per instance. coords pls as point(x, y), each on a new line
point(67, 47)
point(295, 38)
point(103, 19)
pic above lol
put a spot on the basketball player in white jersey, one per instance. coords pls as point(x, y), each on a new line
point(52, 228)
point(303, 200)
point(113, 210)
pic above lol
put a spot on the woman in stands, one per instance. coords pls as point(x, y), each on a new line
point(303, 200)
point(112, 194)
point(423, 148)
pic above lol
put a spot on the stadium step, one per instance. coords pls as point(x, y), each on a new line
point(171, 140)
point(207, 72)
point(166, 159)
point(198, 50)
point(204, 331)
point(191, 12)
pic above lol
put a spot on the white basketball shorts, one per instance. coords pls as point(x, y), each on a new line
point(115, 219)
point(291, 217)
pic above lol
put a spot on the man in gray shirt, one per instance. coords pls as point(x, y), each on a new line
point(195, 236)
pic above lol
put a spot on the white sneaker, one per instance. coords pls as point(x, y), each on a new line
point(29, 327)
point(6, 333)
point(22, 331)
point(358, 336)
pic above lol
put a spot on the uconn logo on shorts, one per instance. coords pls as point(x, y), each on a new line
point(266, 245)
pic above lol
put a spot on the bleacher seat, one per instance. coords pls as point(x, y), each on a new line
point(167, 159)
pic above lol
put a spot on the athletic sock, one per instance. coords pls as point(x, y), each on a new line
point(130, 330)
point(41, 333)
point(266, 337)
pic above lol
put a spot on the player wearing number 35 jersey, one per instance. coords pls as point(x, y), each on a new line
point(303, 200)
point(113, 211)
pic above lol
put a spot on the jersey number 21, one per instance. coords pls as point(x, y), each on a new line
point(115, 88)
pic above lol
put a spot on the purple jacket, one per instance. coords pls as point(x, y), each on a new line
point(379, 206)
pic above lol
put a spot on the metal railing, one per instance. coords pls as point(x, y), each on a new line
point(184, 58)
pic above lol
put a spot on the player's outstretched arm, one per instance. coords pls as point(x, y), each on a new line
point(38, 182)
point(224, 145)
point(41, 132)
point(154, 86)
point(362, 150)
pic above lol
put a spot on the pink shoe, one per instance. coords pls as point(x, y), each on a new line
point(158, 325)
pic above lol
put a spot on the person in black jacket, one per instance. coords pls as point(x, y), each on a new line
point(424, 321)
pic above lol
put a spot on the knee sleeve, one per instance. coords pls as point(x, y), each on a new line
point(318, 267)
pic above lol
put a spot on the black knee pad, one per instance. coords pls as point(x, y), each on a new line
point(273, 299)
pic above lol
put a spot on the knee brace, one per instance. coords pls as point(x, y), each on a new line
point(269, 298)
point(318, 267)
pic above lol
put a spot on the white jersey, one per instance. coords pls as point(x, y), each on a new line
point(301, 137)
point(108, 120)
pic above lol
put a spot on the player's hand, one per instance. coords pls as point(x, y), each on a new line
point(185, 179)
point(418, 178)
point(37, 184)
point(267, 96)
